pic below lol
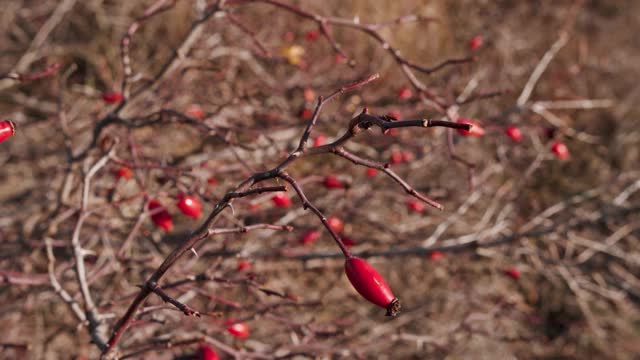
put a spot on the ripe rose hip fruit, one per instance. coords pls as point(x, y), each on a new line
point(195, 111)
point(244, 265)
point(371, 285)
point(476, 129)
point(405, 93)
point(332, 182)
point(476, 42)
point(124, 173)
point(239, 330)
point(320, 140)
point(160, 216)
point(396, 157)
point(206, 352)
point(310, 237)
point(416, 206)
point(436, 255)
point(7, 129)
point(190, 206)
point(335, 224)
point(348, 242)
point(305, 114)
point(281, 200)
point(112, 97)
point(371, 172)
point(512, 272)
point(560, 150)
point(513, 133)
point(312, 35)
point(407, 156)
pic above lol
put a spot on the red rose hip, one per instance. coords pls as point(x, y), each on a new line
point(190, 206)
point(476, 42)
point(513, 133)
point(281, 200)
point(112, 97)
point(239, 330)
point(7, 129)
point(160, 216)
point(332, 182)
point(335, 224)
point(371, 285)
point(310, 237)
point(560, 150)
point(206, 352)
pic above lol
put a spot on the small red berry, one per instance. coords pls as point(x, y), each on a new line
point(436, 255)
point(195, 111)
point(7, 129)
point(512, 272)
point(405, 93)
point(281, 200)
point(335, 224)
point(305, 114)
point(371, 172)
point(339, 59)
point(310, 237)
point(244, 265)
point(320, 140)
point(124, 172)
point(112, 97)
point(476, 42)
point(514, 133)
point(560, 150)
point(312, 35)
point(160, 216)
point(396, 157)
point(190, 206)
point(416, 206)
point(407, 156)
point(371, 285)
point(309, 95)
point(212, 181)
point(205, 352)
point(476, 129)
point(332, 182)
point(239, 330)
point(348, 242)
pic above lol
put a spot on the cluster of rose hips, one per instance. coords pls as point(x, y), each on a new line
point(559, 149)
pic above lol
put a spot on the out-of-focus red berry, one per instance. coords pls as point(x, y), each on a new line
point(212, 181)
point(206, 352)
point(124, 172)
point(416, 206)
point(396, 157)
point(309, 95)
point(310, 237)
point(560, 150)
point(512, 272)
point(407, 156)
point(238, 330)
point(244, 265)
point(7, 129)
point(112, 97)
point(371, 172)
point(160, 216)
point(320, 140)
point(195, 111)
point(335, 224)
point(513, 133)
point(476, 42)
point(405, 93)
point(305, 114)
point(332, 182)
point(312, 35)
point(436, 255)
point(348, 242)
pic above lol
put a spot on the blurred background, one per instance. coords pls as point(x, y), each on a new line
point(535, 255)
